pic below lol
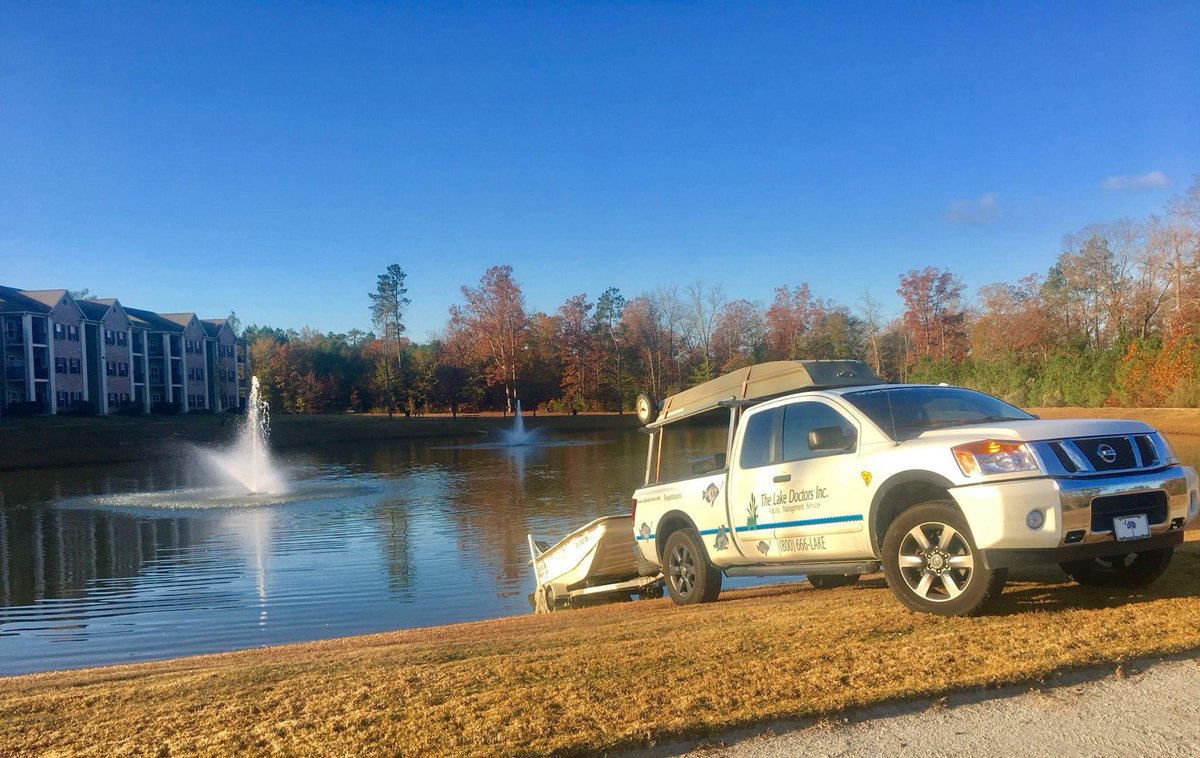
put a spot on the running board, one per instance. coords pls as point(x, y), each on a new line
point(800, 569)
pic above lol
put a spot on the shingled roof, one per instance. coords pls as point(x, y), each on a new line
point(152, 321)
point(13, 300)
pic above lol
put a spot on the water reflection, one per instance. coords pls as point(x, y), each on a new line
point(102, 565)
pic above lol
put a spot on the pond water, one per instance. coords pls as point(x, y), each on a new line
point(129, 562)
point(118, 563)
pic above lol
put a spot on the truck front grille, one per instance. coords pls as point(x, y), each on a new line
point(1103, 454)
point(1105, 509)
point(1119, 450)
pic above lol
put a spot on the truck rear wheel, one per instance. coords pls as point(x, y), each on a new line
point(932, 565)
point(1128, 571)
point(690, 577)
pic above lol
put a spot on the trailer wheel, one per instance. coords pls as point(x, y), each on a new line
point(690, 577)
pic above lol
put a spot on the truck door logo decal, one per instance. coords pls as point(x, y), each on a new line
point(722, 540)
point(866, 475)
point(752, 513)
point(764, 547)
point(710, 493)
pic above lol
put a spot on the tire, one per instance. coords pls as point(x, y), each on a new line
point(1129, 571)
point(689, 577)
point(931, 570)
point(646, 408)
point(831, 581)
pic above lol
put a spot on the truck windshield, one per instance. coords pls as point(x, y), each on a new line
point(905, 412)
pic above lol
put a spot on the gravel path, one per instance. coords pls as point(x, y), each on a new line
point(1143, 708)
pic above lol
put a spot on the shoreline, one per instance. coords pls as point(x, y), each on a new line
point(596, 679)
point(600, 679)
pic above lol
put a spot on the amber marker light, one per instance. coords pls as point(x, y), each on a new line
point(994, 457)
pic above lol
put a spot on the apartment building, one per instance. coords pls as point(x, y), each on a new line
point(58, 351)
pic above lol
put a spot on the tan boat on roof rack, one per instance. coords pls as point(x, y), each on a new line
point(758, 382)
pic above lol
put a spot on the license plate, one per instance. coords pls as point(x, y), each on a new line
point(1131, 527)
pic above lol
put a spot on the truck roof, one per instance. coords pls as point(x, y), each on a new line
point(762, 381)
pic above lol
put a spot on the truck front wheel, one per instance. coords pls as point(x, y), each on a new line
point(690, 578)
point(932, 565)
point(1128, 571)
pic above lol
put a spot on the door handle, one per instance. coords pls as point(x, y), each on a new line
point(782, 478)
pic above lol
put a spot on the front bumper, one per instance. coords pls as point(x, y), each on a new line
point(997, 514)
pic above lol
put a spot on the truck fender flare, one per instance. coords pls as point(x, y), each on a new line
point(891, 483)
point(675, 515)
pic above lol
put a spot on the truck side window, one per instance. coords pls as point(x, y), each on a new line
point(801, 418)
point(760, 442)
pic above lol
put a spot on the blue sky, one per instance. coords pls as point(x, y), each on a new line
point(274, 158)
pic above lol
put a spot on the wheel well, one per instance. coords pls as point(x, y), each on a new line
point(899, 498)
point(670, 523)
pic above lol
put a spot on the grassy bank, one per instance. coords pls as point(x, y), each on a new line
point(1166, 420)
point(595, 679)
point(65, 441)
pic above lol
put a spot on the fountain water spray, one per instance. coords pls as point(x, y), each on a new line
point(249, 461)
point(517, 435)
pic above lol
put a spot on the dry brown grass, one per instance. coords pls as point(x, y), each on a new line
point(596, 679)
point(1166, 420)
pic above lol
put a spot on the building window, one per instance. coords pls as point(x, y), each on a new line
point(112, 399)
point(156, 374)
point(110, 337)
point(12, 328)
point(123, 368)
point(60, 365)
point(60, 331)
point(110, 368)
point(61, 398)
point(72, 333)
point(122, 339)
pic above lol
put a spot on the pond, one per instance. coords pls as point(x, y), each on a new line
point(115, 564)
point(118, 563)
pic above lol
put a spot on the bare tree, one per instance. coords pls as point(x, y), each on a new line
point(871, 311)
point(704, 304)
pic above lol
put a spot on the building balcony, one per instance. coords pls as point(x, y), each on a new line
point(14, 372)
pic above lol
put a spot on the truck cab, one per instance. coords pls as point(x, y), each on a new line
point(819, 468)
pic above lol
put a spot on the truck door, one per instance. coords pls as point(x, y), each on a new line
point(796, 482)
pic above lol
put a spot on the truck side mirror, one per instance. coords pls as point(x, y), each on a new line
point(830, 438)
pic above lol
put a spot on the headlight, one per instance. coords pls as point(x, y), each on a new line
point(994, 457)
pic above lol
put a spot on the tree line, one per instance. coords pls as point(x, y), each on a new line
point(1113, 321)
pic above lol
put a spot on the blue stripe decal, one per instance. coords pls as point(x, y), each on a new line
point(703, 533)
point(805, 522)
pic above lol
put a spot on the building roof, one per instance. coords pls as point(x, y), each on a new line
point(212, 326)
point(152, 321)
point(13, 300)
point(49, 298)
point(94, 310)
point(183, 319)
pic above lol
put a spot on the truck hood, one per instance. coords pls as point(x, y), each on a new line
point(1038, 429)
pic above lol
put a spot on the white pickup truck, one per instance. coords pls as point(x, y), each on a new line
point(819, 468)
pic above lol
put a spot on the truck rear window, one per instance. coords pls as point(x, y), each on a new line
point(692, 447)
